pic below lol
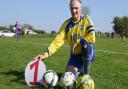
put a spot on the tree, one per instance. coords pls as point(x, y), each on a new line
point(27, 26)
point(53, 32)
point(117, 24)
point(39, 31)
point(4, 28)
point(11, 28)
point(85, 10)
point(120, 23)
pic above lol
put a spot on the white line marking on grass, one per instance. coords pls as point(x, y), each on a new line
point(33, 43)
point(111, 52)
point(68, 46)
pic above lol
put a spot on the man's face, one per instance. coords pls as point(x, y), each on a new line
point(75, 8)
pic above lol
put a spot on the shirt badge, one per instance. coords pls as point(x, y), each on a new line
point(81, 27)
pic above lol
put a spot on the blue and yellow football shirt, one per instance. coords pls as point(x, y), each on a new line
point(73, 32)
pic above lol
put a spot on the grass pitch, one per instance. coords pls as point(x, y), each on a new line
point(109, 70)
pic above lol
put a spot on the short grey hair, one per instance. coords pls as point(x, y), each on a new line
point(74, 0)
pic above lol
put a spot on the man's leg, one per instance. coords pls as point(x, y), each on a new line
point(88, 55)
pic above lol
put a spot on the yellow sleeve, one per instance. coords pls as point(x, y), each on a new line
point(57, 42)
point(90, 37)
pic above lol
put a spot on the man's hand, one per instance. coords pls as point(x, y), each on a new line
point(73, 47)
point(83, 42)
point(40, 57)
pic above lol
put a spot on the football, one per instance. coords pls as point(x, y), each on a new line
point(84, 82)
point(50, 79)
point(67, 80)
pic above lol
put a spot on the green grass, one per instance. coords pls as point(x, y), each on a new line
point(109, 70)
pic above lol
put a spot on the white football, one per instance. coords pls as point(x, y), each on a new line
point(50, 79)
point(67, 79)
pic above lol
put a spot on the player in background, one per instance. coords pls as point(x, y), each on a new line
point(17, 30)
point(122, 34)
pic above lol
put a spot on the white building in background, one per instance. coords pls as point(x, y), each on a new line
point(29, 32)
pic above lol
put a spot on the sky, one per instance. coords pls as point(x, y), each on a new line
point(49, 15)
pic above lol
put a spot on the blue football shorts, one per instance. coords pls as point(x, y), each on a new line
point(77, 61)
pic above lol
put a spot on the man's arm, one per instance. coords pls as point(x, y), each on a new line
point(55, 45)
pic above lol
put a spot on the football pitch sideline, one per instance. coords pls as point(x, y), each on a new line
point(109, 70)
